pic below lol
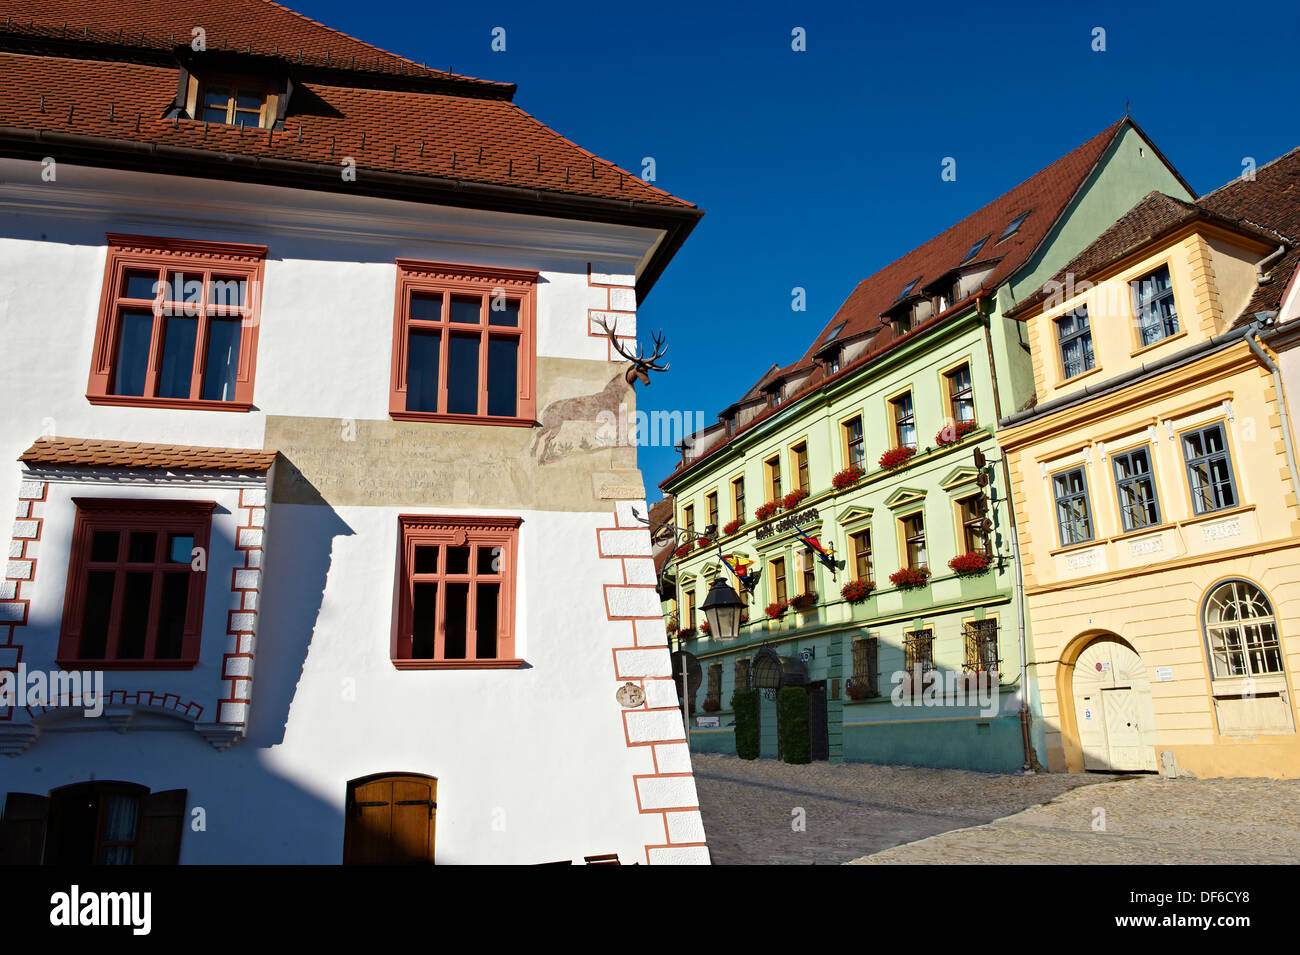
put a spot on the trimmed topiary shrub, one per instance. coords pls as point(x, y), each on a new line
point(792, 724)
point(745, 704)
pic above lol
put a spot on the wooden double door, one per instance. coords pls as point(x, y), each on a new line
point(390, 820)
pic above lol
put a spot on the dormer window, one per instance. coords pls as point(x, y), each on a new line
point(1014, 227)
point(233, 105)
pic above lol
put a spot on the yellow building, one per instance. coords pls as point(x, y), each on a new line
point(1157, 506)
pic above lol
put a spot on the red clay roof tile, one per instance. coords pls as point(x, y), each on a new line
point(95, 453)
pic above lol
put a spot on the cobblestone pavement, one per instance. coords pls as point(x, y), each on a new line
point(889, 814)
point(1148, 820)
point(849, 809)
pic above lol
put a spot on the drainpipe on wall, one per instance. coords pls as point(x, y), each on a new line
point(1252, 339)
point(1031, 763)
point(1262, 277)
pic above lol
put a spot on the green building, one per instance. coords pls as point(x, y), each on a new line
point(923, 660)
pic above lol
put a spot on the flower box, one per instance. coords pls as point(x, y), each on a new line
point(711, 706)
point(803, 601)
point(776, 610)
point(954, 432)
point(857, 690)
point(701, 542)
point(686, 634)
point(856, 591)
point(847, 478)
point(732, 526)
point(909, 578)
point(971, 565)
point(684, 549)
point(764, 511)
point(671, 626)
point(897, 457)
point(793, 499)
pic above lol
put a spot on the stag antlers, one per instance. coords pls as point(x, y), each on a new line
point(641, 366)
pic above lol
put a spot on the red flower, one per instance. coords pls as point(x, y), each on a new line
point(776, 610)
point(702, 542)
point(705, 629)
point(856, 591)
point(971, 565)
point(793, 499)
point(857, 690)
point(951, 433)
point(732, 526)
point(847, 478)
point(802, 601)
point(684, 549)
point(686, 634)
point(909, 578)
point(897, 457)
point(764, 511)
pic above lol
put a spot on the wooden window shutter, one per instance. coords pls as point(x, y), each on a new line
point(162, 820)
point(22, 829)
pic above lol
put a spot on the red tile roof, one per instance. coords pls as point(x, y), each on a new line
point(94, 453)
point(96, 90)
point(1045, 196)
point(246, 26)
point(1266, 207)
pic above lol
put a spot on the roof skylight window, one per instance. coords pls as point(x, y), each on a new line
point(1014, 227)
point(975, 249)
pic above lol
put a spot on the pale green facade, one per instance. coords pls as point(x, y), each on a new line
point(984, 733)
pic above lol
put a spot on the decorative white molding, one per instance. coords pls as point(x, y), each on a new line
point(17, 738)
point(222, 736)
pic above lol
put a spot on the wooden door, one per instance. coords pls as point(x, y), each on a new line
point(390, 820)
point(1112, 708)
point(818, 722)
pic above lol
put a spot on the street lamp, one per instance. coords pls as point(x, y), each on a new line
point(722, 608)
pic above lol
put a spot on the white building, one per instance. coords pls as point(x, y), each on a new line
point(302, 370)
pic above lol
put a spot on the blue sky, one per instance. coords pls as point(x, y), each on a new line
point(818, 167)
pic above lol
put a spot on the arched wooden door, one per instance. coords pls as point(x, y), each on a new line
point(390, 820)
point(1112, 708)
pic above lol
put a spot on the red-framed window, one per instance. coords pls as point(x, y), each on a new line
point(456, 604)
point(464, 345)
point(134, 598)
point(177, 324)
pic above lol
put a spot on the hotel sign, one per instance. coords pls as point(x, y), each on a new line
point(787, 524)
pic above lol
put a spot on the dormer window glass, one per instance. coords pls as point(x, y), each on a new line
point(233, 104)
point(908, 289)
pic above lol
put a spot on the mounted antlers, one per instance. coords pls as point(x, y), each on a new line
point(641, 366)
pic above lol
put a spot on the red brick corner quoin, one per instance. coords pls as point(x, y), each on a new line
point(655, 728)
point(20, 575)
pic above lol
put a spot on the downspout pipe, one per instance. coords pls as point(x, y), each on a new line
point(1252, 339)
point(1031, 763)
point(1262, 277)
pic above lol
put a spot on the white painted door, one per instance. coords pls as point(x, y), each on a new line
point(1112, 708)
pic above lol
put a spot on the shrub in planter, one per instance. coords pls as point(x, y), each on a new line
point(971, 565)
point(897, 457)
point(908, 578)
point(764, 511)
point(712, 706)
point(745, 704)
point(732, 526)
point(803, 601)
point(792, 724)
point(847, 478)
point(856, 591)
point(777, 608)
point(954, 432)
point(793, 499)
point(684, 549)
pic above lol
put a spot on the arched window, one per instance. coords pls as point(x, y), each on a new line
point(1242, 631)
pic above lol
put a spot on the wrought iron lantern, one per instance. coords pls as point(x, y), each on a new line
point(722, 608)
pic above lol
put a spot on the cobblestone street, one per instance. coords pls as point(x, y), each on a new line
point(890, 815)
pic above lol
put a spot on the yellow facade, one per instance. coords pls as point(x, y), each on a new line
point(1131, 601)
